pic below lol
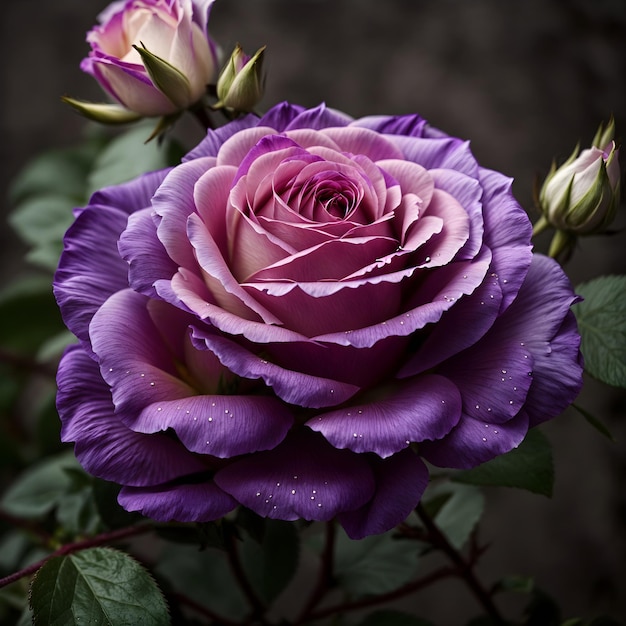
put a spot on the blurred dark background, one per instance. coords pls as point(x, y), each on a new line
point(524, 80)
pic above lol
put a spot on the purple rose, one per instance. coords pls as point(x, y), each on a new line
point(299, 313)
point(173, 30)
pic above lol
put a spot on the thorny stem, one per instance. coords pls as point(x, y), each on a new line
point(69, 548)
point(258, 608)
point(216, 619)
point(325, 576)
point(25, 363)
point(464, 569)
point(411, 587)
point(27, 525)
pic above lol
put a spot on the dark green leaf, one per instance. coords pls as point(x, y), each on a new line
point(393, 618)
point(517, 584)
point(373, 565)
point(38, 490)
point(96, 586)
point(602, 323)
point(204, 576)
point(460, 513)
point(528, 467)
point(57, 172)
point(595, 422)
point(126, 157)
point(542, 610)
point(28, 314)
point(271, 564)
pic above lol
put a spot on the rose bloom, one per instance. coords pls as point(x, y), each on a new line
point(300, 313)
point(174, 30)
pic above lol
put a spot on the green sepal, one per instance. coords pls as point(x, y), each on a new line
point(102, 112)
point(168, 79)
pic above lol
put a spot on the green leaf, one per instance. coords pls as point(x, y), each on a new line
point(460, 513)
point(38, 490)
point(271, 564)
point(529, 467)
point(393, 618)
point(205, 577)
point(595, 422)
point(28, 314)
point(128, 156)
point(99, 586)
point(373, 565)
point(602, 324)
point(56, 173)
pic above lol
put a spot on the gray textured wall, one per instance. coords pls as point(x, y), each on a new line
point(524, 80)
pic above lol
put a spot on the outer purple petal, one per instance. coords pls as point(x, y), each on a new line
point(507, 233)
point(405, 125)
point(540, 318)
point(84, 279)
point(427, 407)
point(318, 118)
point(104, 446)
point(140, 247)
point(187, 502)
point(223, 426)
point(215, 138)
point(400, 483)
point(304, 477)
point(281, 115)
point(133, 195)
point(473, 442)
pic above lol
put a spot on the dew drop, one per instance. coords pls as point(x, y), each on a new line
point(110, 369)
point(360, 412)
point(478, 406)
point(258, 493)
point(484, 438)
point(212, 403)
point(482, 303)
point(354, 435)
point(427, 259)
point(503, 371)
point(319, 505)
point(312, 497)
point(142, 375)
point(314, 491)
point(278, 484)
point(152, 384)
point(495, 432)
point(210, 419)
point(293, 492)
point(226, 411)
point(510, 401)
point(187, 412)
point(295, 477)
point(195, 419)
point(160, 409)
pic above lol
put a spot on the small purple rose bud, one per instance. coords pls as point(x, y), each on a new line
point(581, 196)
point(153, 56)
point(240, 85)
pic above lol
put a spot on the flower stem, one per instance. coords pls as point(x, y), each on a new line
point(325, 576)
point(69, 548)
point(464, 569)
point(258, 608)
point(411, 587)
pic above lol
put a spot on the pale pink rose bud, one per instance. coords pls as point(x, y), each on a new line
point(153, 56)
point(581, 196)
point(240, 85)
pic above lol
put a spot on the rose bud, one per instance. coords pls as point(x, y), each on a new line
point(240, 85)
point(581, 196)
point(153, 56)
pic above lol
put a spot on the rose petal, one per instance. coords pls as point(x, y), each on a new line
point(187, 502)
point(427, 407)
point(140, 247)
point(400, 483)
point(104, 446)
point(291, 386)
point(84, 280)
point(304, 477)
point(473, 442)
point(223, 426)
